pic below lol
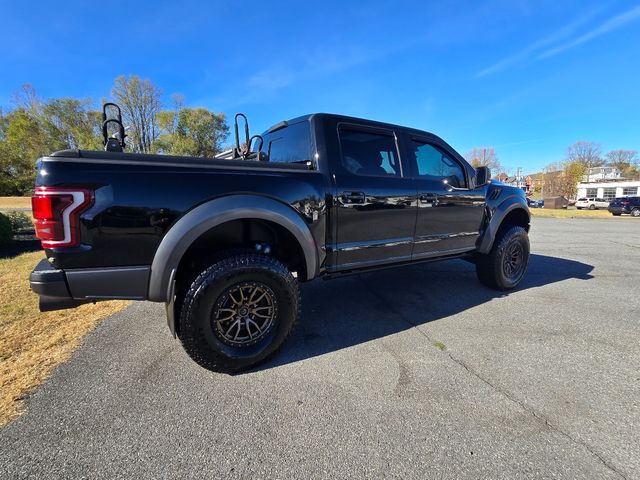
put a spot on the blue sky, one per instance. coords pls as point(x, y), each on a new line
point(526, 77)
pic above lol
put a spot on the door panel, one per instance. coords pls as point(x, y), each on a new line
point(375, 205)
point(449, 215)
point(376, 226)
point(447, 220)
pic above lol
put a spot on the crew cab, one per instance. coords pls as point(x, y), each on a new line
point(224, 241)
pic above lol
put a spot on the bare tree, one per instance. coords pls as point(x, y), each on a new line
point(589, 153)
point(484, 157)
point(622, 158)
point(551, 184)
point(140, 103)
point(626, 161)
point(27, 99)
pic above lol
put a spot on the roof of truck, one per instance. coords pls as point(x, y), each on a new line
point(347, 119)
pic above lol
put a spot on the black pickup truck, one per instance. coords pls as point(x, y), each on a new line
point(224, 241)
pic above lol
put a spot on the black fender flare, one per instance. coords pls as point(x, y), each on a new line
point(495, 217)
point(216, 212)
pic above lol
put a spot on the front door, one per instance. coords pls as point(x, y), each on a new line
point(375, 202)
point(450, 214)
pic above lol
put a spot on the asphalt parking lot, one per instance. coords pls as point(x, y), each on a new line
point(417, 372)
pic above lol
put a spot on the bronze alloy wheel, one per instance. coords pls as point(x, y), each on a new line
point(238, 311)
point(244, 314)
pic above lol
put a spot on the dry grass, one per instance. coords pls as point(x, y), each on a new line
point(7, 203)
point(33, 343)
point(570, 213)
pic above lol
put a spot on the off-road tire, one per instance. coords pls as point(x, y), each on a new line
point(490, 268)
point(197, 331)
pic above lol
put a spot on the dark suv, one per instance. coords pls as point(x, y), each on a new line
point(630, 205)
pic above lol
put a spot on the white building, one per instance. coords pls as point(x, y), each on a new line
point(608, 190)
point(601, 174)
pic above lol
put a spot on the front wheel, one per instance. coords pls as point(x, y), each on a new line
point(238, 312)
point(503, 268)
point(635, 212)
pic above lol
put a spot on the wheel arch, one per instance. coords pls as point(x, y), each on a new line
point(511, 211)
point(213, 213)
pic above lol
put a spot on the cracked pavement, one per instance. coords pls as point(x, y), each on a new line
point(416, 372)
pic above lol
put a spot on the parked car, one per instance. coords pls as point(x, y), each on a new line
point(629, 205)
point(536, 204)
point(224, 241)
point(591, 203)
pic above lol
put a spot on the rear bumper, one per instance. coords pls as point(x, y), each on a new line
point(617, 209)
point(51, 285)
point(60, 289)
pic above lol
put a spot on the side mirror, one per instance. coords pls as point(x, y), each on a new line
point(483, 176)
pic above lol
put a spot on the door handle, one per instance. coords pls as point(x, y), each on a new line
point(352, 197)
point(429, 199)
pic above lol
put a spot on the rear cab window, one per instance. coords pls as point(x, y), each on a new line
point(290, 144)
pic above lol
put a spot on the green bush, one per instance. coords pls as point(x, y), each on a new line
point(6, 232)
point(20, 222)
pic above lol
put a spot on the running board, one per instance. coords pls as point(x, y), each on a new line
point(357, 271)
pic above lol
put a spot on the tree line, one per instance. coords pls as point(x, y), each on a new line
point(561, 178)
point(33, 127)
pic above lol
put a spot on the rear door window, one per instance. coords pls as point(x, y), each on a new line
point(370, 153)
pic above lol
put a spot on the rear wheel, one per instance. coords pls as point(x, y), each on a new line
point(238, 312)
point(503, 268)
point(635, 212)
point(592, 207)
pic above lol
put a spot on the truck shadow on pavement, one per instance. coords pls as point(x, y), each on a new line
point(349, 311)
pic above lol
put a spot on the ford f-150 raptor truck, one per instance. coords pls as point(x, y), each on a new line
point(224, 241)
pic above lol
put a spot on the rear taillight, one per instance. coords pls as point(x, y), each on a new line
point(57, 213)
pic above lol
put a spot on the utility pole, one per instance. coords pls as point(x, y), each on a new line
point(519, 177)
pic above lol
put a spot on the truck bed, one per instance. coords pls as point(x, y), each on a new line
point(138, 197)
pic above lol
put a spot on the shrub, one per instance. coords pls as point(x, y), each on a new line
point(20, 222)
point(6, 232)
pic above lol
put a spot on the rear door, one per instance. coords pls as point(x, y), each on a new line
point(450, 213)
point(375, 201)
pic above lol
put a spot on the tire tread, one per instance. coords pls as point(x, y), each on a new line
point(191, 335)
point(488, 267)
